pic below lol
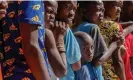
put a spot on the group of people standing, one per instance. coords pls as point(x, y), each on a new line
point(66, 40)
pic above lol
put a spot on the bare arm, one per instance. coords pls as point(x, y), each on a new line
point(56, 59)
point(128, 30)
point(105, 56)
point(32, 52)
point(113, 46)
point(128, 27)
point(118, 64)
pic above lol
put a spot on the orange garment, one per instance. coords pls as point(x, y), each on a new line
point(0, 73)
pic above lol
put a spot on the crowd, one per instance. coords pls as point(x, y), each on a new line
point(66, 40)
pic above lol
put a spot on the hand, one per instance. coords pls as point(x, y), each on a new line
point(59, 29)
point(3, 7)
point(120, 41)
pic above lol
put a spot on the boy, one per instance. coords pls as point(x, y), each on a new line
point(87, 51)
point(66, 11)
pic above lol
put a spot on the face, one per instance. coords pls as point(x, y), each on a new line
point(50, 12)
point(66, 11)
point(95, 13)
point(88, 51)
point(114, 9)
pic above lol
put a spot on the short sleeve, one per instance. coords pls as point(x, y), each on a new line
point(31, 12)
point(99, 43)
point(83, 73)
point(73, 54)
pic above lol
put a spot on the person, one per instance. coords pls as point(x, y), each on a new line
point(56, 53)
point(22, 21)
point(127, 26)
point(83, 20)
point(65, 13)
point(110, 29)
point(87, 51)
point(92, 12)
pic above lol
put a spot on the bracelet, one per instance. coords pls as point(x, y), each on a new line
point(60, 46)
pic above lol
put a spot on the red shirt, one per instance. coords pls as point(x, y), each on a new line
point(126, 57)
point(128, 53)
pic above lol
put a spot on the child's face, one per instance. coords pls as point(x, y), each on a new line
point(88, 51)
point(67, 11)
point(114, 9)
point(95, 13)
point(50, 12)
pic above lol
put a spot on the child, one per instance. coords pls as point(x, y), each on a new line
point(56, 56)
point(87, 51)
point(66, 11)
point(93, 30)
point(92, 12)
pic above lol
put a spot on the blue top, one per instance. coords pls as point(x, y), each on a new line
point(82, 74)
point(14, 65)
point(73, 54)
point(99, 48)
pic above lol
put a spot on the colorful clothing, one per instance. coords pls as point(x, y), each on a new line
point(14, 65)
point(73, 54)
point(99, 46)
point(108, 30)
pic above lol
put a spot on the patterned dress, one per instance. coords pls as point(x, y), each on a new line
point(108, 30)
point(14, 65)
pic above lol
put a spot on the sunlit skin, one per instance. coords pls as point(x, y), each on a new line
point(66, 11)
point(56, 58)
point(50, 12)
point(93, 13)
point(86, 45)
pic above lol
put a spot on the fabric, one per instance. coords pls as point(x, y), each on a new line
point(108, 30)
point(99, 46)
point(95, 72)
point(73, 54)
point(82, 74)
point(126, 57)
point(14, 65)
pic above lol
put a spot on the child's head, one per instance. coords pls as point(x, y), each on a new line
point(92, 11)
point(66, 11)
point(127, 11)
point(113, 9)
point(50, 12)
point(86, 45)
